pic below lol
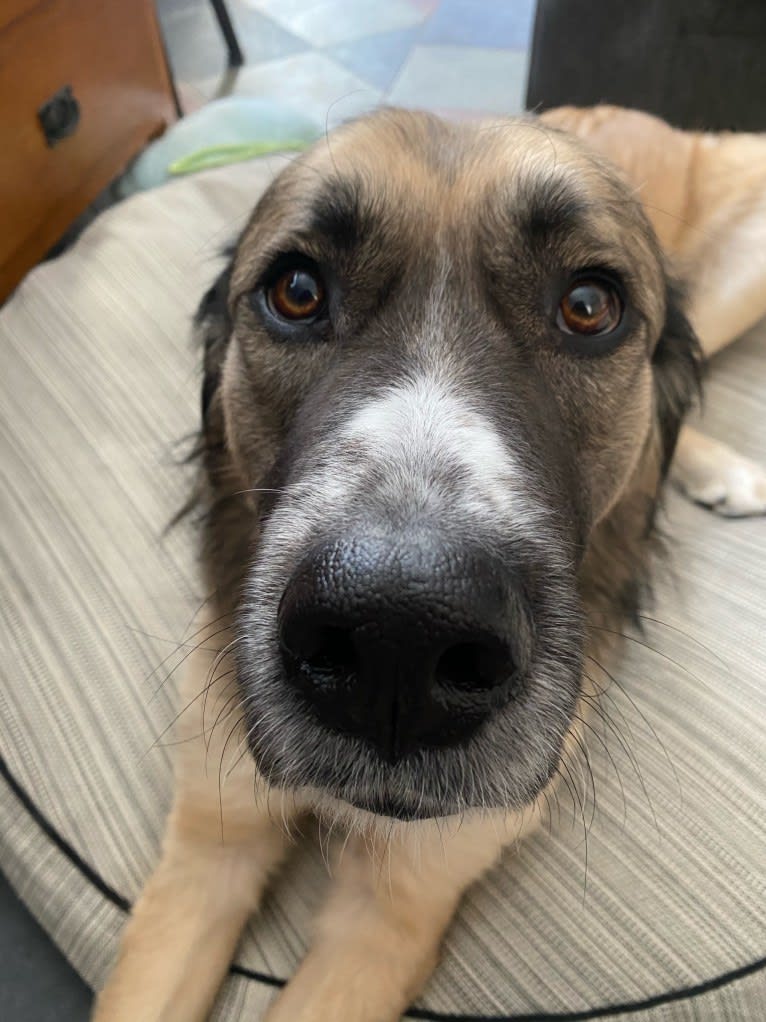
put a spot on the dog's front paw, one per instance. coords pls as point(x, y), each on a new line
point(715, 475)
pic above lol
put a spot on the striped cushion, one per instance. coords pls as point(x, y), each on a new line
point(647, 902)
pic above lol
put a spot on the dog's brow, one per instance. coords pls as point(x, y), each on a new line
point(342, 214)
point(548, 208)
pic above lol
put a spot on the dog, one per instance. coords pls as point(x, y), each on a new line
point(445, 376)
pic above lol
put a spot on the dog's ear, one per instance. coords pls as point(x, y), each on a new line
point(677, 367)
point(213, 329)
point(213, 326)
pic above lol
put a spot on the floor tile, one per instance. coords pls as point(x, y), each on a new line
point(311, 82)
point(196, 46)
point(503, 24)
point(426, 7)
point(194, 43)
point(260, 37)
point(330, 22)
point(376, 58)
point(462, 78)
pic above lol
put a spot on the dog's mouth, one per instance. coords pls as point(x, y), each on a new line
point(352, 778)
point(334, 776)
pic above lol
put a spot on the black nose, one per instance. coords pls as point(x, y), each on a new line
point(405, 643)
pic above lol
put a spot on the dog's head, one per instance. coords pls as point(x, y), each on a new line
point(444, 376)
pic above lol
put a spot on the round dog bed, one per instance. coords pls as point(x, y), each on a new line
point(643, 899)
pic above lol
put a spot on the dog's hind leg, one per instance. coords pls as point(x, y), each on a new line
point(377, 938)
point(222, 841)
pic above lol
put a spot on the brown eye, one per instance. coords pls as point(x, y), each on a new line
point(296, 294)
point(589, 307)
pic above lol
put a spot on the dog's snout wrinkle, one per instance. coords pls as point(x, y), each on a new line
point(405, 642)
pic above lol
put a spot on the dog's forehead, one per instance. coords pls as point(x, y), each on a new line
point(407, 154)
point(411, 182)
point(429, 169)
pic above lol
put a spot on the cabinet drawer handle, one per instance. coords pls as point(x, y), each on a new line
point(59, 116)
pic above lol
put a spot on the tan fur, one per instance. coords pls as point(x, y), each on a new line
point(377, 938)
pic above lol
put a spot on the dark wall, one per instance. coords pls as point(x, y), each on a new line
point(697, 63)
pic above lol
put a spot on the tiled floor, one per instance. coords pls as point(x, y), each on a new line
point(336, 58)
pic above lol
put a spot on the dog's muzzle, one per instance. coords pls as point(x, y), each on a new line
point(405, 642)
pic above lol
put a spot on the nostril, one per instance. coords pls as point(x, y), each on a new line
point(474, 665)
point(332, 650)
point(321, 650)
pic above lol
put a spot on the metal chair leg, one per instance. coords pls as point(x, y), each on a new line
point(236, 57)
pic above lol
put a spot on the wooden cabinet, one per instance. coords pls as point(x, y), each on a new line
point(103, 64)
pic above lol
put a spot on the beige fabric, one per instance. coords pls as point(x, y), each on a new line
point(99, 382)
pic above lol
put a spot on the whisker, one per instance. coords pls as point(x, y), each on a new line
point(646, 721)
point(164, 638)
point(183, 659)
point(200, 734)
point(223, 653)
point(611, 758)
point(606, 718)
point(639, 774)
point(687, 635)
point(584, 749)
point(262, 489)
point(237, 724)
point(176, 718)
point(646, 645)
point(565, 765)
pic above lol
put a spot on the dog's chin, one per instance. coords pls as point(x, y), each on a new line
point(397, 809)
point(366, 810)
point(335, 802)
